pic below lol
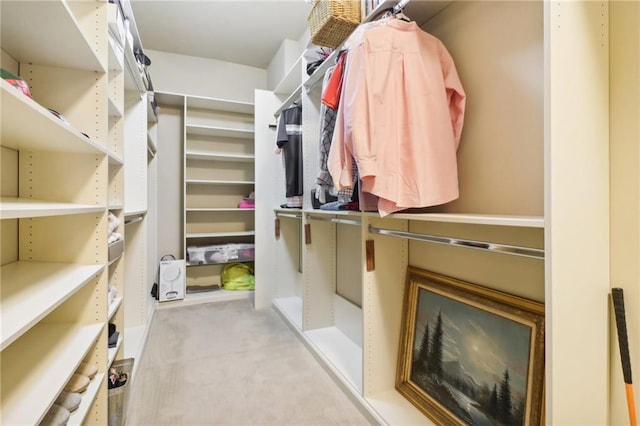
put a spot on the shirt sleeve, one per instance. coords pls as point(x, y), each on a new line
point(455, 93)
point(333, 88)
point(282, 137)
point(342, 146)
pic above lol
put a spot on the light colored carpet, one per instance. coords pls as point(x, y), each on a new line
point(224, 363)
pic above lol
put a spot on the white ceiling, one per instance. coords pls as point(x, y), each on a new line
point(239, 31)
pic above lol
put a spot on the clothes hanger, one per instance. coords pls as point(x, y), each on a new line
point(394, 13)
point(398, 9)
point(402, 16)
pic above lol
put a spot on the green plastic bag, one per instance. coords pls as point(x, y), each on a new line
point(238, 276)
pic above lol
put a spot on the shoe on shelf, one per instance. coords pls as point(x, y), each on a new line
point(77, 383)
point(56, 416)
point(69, 400)
point(113, 339)
point(87, 369)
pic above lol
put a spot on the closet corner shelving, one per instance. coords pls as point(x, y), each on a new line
point(347, 307)
point(61, 180)
point(219, 162)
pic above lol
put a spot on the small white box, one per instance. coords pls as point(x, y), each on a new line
point(171, 280)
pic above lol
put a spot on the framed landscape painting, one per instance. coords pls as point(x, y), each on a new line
point(470, 355)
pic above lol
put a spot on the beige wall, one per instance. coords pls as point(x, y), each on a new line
point(8, 63)
point(170, 182)
point(189, 75)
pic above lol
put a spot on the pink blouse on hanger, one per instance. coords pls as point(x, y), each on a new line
point(400, 116)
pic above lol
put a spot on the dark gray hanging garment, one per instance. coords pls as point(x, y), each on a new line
point(290, 141)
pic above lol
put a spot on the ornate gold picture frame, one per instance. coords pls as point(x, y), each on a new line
point(470, 355)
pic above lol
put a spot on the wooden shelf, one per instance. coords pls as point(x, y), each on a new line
point(16, 208)
point(218, 182)
point(396, 409)
point(133, 341)
point(219, 131)
point(31, 290)
point(116, 56)
point(220, 295)
point(88, 397)
point(151, 113)
point(152, 146)
point(113, 307)
point(129, 214)
point(203, 155)
point(292, 79)
point(219, 105)
point(173, 99)
point(340, 353)
point(475, 219)
point(218, 209)
point(28, 126)
point(112, 352)
point(297, 212)
point(294, 96)
point(220, 234)
point(314, 79)
point(114, 109)
point(47, 33)
point(291, 309)
point(152, 143)
point(115, 159)
point(36, 367)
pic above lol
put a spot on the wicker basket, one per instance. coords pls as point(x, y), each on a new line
point(331, 21)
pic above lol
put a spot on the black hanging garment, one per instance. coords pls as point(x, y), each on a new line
point(290, 141)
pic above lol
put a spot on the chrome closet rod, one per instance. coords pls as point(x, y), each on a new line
point(293, 216)
point(336, 220)
point(530, 252)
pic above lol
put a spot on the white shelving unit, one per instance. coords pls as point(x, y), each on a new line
point(218, 182)
point(349, 312)
point(219, 166)
point(140, 147)
point(117, 171)
point(54, 226)
point(61, 179)
point(204, 155)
